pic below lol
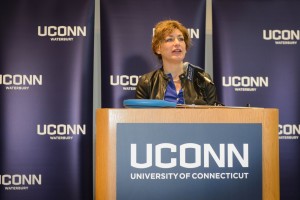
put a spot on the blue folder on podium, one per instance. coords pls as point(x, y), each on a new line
point(148, 103)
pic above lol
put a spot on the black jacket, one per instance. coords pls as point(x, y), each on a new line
point(195, 90)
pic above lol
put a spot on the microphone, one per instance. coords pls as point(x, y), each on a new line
point(191, 69)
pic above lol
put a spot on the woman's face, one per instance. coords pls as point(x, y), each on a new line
point(173, 47)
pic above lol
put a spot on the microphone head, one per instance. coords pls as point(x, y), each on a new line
point(195, 70)
point(187, 64)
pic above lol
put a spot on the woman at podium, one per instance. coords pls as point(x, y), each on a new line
point(176, 80)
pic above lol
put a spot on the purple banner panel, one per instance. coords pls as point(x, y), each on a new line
point(46, 99)
point(256, 61)
point(126, 34)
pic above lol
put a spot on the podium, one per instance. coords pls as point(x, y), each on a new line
point(110, 121)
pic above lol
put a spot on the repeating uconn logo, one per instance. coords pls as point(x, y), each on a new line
point(282, 37)
point(19, 181)
point(61, 131)
point(62, 33)
point(194, 33)
point(245, 83)
point(20, 81)
point(127, 82)
point(289, 131)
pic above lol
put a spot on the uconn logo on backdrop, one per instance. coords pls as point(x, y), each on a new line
point(194, 33)
point(178, 154)
point(289, 131)
point(282, 37)
point(245, 83)
point(62, 33)
point(127, 82)
point(61, 131)
point(20, 81)
point(20, 181)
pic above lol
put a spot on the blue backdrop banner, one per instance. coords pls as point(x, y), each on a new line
point(256, 61)
point(46, 99)
point(126, 34)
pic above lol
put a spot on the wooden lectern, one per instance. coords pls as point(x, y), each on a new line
point(107, 120)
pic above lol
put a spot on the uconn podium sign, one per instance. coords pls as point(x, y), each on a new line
point(189, 161)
